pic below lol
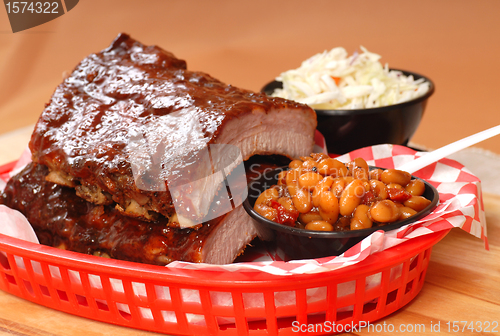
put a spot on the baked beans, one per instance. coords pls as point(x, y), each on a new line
point(321, 193)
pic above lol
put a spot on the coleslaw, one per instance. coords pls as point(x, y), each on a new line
point(334, 80)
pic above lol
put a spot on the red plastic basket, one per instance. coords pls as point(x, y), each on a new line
point(206, 302)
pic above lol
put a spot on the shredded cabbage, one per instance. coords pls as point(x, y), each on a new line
point(332, 80)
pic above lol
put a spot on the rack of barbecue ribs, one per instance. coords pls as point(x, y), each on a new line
point(133, 133)
point(62, 219)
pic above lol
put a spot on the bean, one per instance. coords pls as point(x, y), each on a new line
point(406, 212)
point(309, 180)
point(355, 224)
point(319, 226)
point(310, 216)
point(367, 185)
point(295, 164)
point(302, 200)
point(394, 186)
point(332, 167)
point(329, 207)
point(360, 173)
point(287, 203)
point(338, 186)
point(292, 178)
point(416, 187)
point(322, 186)
point(351, 197)
point(292, 190)
point(348, 179)
point(330, 217)
point(417, 203)
point(375, 174)
point(379, 189)
point(361, 163)
point(361, 218)
point(310, 165)
point(266, 211)
point(395, 176)
point(267, 196)
point(384, 211)
point(357, 162)
point(358, 168)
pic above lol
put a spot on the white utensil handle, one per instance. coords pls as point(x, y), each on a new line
point(442, 152)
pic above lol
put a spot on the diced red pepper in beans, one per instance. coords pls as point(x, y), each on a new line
point(285, 216)
point(398, 195)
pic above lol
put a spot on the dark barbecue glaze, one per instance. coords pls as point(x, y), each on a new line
point(129, 91)
point(62, 219)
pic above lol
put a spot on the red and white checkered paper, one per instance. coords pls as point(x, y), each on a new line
point(460, 205)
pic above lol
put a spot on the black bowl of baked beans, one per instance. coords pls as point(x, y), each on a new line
point(318, 206)
point(348, 129)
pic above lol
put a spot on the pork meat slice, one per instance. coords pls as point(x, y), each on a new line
point(131, 124)
point(62, 219)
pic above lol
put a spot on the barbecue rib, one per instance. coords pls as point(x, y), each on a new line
point(131, 122)
point(62, 219)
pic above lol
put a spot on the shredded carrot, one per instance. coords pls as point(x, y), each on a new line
point(336, 79)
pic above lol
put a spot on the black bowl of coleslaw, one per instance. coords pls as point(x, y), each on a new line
point(349, 129)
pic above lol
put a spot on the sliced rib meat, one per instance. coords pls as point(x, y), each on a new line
point(62, 219)
point(131, 122)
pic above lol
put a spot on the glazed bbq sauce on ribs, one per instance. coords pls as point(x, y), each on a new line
point(131, 90)
point(62, 219)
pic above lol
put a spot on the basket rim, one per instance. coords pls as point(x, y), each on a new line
point(196, 277)
point(209, 277)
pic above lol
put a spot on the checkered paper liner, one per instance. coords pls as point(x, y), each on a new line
point(460, 205)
